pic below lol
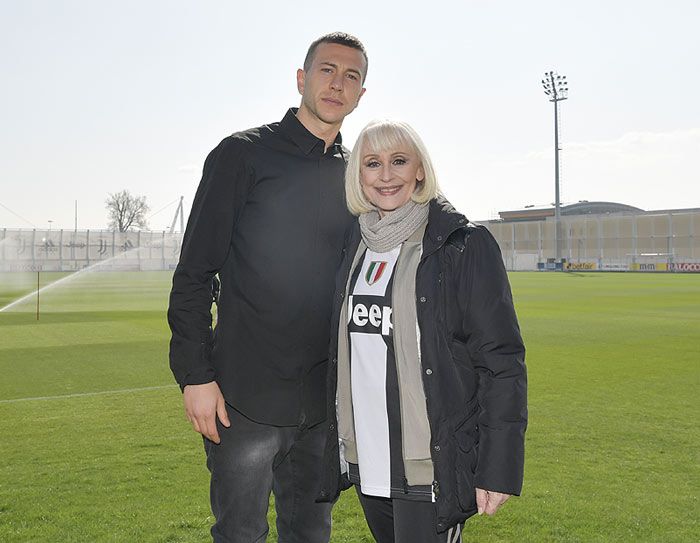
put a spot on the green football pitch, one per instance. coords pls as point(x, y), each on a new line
point(94, 445)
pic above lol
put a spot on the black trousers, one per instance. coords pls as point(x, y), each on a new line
point(255, 459)
point(403, 521)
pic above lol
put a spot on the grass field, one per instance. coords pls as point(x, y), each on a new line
point(94, 445)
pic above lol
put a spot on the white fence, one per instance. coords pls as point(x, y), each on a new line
point(615, 242)
point(69, 250)
point(662, 241)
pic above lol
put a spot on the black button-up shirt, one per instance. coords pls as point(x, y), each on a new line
point(269, 217)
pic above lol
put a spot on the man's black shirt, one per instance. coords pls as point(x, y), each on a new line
point(269, 216)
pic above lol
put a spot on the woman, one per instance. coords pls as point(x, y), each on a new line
point(427, 384)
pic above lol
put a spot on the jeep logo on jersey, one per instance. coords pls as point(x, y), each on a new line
point(367, 317)
point(375, 271)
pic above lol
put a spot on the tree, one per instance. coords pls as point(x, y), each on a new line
point(126, 211)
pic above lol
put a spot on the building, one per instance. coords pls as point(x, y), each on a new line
point(605, 236)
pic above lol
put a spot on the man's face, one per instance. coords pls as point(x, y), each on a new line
point(332, 86)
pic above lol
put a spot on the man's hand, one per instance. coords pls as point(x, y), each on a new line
point(488, 502)
point(203, 403)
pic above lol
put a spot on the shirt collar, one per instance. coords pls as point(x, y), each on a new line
point(304, 139)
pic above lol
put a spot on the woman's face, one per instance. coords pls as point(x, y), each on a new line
point(389, 178)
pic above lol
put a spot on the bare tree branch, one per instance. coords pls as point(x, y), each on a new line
point(126, 211)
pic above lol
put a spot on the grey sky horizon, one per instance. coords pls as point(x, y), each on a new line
point(104, 96)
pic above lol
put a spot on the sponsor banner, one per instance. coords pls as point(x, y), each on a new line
point(649, 267)
point(684, 267)
point(27, 267)
point(614, 267)
point(581, 266)
point(549, 266)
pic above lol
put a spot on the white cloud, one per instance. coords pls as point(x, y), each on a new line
point(651, 170)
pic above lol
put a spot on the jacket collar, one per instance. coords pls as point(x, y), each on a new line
point(305, 140)
point(443, 221)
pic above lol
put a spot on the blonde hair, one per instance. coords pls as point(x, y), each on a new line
point(380, 136)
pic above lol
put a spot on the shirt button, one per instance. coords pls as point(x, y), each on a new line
point(342, 295)
point(423, 299)
point(437, 448)
point(429, 371)
point(331, 427)
point(439, 238)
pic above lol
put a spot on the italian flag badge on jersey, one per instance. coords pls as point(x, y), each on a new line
point(375, 271)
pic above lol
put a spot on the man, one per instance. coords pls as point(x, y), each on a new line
point(269, 217)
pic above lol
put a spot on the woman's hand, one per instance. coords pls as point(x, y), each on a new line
point(488, 501)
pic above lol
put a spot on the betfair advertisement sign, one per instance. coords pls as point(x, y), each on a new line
point(581, 266)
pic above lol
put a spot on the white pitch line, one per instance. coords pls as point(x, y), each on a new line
point(84, 394)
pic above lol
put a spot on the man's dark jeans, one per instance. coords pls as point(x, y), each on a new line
point(251, 461)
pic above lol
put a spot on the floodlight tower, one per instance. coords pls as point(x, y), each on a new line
point(557, 88)
point(179, 212)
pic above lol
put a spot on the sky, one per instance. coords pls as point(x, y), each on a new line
point(100, 96)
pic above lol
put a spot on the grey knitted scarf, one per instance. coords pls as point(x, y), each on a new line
point(385, 233)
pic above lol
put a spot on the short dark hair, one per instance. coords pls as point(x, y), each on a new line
point(341, 38)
